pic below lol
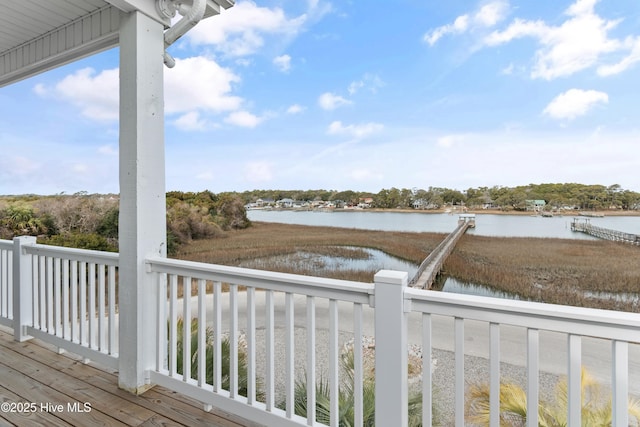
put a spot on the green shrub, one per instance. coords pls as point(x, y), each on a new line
point(81, 241)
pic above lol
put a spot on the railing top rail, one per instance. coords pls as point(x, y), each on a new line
point(341, 290)
point(598, 323)
point(86, 255)
point(6, 244)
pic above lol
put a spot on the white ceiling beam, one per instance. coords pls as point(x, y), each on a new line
point(148, 7)
point(82, 37)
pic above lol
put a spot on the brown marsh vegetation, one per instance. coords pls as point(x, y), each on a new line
point(267, 240)
point(557, 271)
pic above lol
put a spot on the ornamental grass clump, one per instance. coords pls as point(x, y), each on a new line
point(347, 390)
point(596, 408)
point(225, 354)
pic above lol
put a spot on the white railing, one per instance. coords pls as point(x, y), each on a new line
point(259, 335)
point(290, 327)
point(63, 296)
point(6, 283)
point(552, 330)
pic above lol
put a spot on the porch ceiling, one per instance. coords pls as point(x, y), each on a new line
point(38, 35)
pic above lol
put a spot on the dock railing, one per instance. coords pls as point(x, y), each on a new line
point(585, 226)
point(266, 342)
point(430, 267)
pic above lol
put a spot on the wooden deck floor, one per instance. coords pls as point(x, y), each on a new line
point(33, 372)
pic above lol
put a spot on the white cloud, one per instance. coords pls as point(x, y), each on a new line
point(576, 44)
point(40, 90)
point(574, 103)
point(450, 140)
point(295, 109)
point(205, 176)
point(243, 119)
point(80, 168)
point(330, 101)
point(19, 165)
point(190, 121)
point(492, 13)
point(354, 131)
point(487, 16)
point(199, 83)
point(508, 70)
point(241, 30)
point(460, 25)
point(109, 150)
point(365, 174)
point(96, 94)
point(258, 171)
point(283, 62)
point(634, 56)
point(370, 82)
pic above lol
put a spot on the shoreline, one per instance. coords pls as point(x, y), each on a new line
point(499, 212)
point(600, 213)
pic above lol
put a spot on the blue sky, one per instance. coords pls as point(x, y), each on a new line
point(309, 94)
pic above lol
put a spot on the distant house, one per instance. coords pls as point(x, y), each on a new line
point(487, 203)
point(263, 202)
point(535, 205)
point(365, 202)
point(423, 204)
point(284, 203)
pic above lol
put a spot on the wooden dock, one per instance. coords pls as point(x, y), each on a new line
point(584, 225)
point(43, 388)
point(432, 264)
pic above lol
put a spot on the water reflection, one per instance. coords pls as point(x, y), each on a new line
point(367, 260)
point(455, 286)
point(486, 224)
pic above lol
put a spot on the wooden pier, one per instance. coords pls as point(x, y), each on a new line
point(584, 225)
point(432, 264)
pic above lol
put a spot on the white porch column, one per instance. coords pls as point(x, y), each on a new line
point(391, 319)
point(22, 287)
point(142, 193)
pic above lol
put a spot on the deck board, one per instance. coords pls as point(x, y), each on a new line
point(33, 371)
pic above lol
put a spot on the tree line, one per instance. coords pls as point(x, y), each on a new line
point(89, 221)
point(556, 196)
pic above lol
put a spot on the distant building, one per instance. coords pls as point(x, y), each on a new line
point(365, 202)
point(535, 205)
point(284, 203)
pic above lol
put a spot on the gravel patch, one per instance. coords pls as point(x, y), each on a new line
point(476, 369)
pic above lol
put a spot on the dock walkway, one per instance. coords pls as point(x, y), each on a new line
point(432, 264)
point(585, 226)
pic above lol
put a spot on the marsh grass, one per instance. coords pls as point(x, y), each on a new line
point(558, 271)
point(269, 240)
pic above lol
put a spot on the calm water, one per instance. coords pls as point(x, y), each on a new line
point(375, 260)
point(486, 224)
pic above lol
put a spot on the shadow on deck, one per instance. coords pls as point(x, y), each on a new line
point(59, 385)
